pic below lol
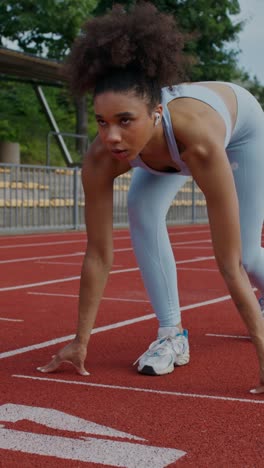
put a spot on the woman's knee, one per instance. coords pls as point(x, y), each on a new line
point(141, 204)
point(140, 210)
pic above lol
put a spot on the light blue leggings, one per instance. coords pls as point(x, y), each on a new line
point(150, 197)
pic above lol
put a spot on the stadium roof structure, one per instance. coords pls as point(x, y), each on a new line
point(28, 68)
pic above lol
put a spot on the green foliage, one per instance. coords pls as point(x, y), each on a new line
point(254, 86)
point(257, 89)
point(22, 119)
point(45, 27)
point(48, 27)
point(7, 132)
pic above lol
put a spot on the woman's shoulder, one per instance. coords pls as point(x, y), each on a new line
point(193, 122)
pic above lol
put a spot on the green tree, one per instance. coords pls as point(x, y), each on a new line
point(47, 28)
point(254, 86)
point(22, 120)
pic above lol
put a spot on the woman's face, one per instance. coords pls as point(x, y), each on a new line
point(125, 125)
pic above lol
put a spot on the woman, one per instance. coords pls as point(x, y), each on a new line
point(167, 130)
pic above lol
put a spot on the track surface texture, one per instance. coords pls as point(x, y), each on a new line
point(201, 415)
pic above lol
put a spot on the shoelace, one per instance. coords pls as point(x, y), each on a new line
point(161, 346)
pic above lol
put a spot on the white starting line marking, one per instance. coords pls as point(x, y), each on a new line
point(228, 336)
point(11, 320)
point(142, 390)
point(45, 344)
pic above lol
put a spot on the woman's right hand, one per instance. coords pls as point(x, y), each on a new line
point(73, 353)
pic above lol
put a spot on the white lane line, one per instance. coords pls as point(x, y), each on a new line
point(44, 257)
point(78, 241)
point(59, 263)
point(125, 249)
point(205, 241)
point(45, 344)
point(16, 246)
point(52, 294)
point(142, 390)
point(192, 306)
point(11, 320)
point(83, 234)
point(77, 295)
point(190, 247)
point(60, 280)
point(28, 259)
point(190, 232)
point(42, 283)
point(194, 260)
point(228, 336)
point(198, 269)
point(73, 278)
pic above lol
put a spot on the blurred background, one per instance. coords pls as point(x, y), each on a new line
point(44, 132)
point(228, 47)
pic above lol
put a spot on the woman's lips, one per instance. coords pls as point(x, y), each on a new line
point(120, 154)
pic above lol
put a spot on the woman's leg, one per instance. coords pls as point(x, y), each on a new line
point(246, 156)
point(149, 199)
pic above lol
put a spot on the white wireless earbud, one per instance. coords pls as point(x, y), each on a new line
point(157, 118)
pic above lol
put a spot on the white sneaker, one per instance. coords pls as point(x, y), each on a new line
point(169, 350)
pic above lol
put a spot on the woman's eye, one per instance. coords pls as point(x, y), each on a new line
point(101, 123)
point(125, 121)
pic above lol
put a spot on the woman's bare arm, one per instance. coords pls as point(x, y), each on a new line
point(210, 168)
point(98, 174)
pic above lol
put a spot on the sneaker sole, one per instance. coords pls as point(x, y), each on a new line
point(148, 370)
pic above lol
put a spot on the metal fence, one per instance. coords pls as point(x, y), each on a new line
point(37, 198)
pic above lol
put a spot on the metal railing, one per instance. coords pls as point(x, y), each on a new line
point(37, 198)
point(74, 136)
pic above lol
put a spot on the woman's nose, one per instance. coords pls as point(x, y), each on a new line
point(113, 135)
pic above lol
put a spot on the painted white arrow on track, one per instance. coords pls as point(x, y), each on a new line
point(85, 449)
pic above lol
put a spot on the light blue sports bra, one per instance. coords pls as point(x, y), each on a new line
point(195, 91)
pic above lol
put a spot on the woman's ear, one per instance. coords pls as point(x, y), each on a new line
point(157, 118)
point(158, 115)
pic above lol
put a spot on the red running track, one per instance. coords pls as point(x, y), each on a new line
point(201, 415)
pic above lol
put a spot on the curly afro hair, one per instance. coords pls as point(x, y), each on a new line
point(140, 50)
